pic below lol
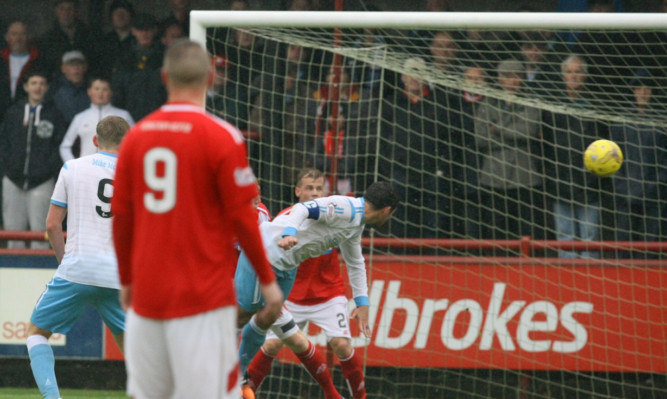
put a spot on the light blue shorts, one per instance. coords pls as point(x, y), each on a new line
point(62, 303)
point(248, 294)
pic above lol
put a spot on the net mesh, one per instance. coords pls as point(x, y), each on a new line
point(514, 272)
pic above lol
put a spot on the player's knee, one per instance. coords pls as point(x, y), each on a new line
point(242, 317)
point(272, 346)
point(298, 343)
point(342, 347)
point(34, 330)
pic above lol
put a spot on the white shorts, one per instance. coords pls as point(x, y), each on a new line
point(331, 316)
point(188, 357)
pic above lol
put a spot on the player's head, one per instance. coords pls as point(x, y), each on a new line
point(381, 199)
point(110, 132)
point(309, 184)
point(187, 66)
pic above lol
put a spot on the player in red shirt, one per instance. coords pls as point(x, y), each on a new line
point(183, 191)
point(318, 296)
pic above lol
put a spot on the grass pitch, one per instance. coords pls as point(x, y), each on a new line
point(33, 393)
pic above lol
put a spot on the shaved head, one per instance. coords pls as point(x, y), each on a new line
point(186, 64)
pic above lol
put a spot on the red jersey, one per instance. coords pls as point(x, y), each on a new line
point(317, 279)
point(182, 192)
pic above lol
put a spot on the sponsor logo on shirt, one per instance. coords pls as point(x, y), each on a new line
point(167, 126)
point(244, 176)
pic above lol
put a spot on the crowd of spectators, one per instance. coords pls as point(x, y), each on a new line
point(466, 164)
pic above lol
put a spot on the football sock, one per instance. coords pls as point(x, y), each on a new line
point(42, 363)
point(252, 338)
point(316, 365)
point(353, 372)
point(259, 368)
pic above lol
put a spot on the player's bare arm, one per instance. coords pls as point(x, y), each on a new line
point(54, 230)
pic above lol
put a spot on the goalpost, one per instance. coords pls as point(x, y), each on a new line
point(509, 270)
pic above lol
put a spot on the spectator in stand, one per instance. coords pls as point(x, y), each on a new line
point(282, 114)
point(225, 98)
point(608, 54)
point(318, 296)
point(171, 33)
point(84, 124)
point(575, 192)
point(540, 75)
point(462, 152)
point(119, 41)
point(69, 92)
point(67, 34)
point(19, 57)
point(637, 184)
point(443, 50)
point(29, 138)
point(505, 132)
point(412, 139)
point(357, 111)
point(136, 82)
point(179, 13)
point(245, 52)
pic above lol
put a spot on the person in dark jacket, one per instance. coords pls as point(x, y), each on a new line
point(413, 144)
point(637, 184)
point(69, 33)
point(575, 191)
point(136, 81)
point(29, 138)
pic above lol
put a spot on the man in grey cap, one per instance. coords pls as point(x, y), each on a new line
point(70, 93)
point(505, 131)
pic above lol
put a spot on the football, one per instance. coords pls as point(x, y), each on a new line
point(603, 157)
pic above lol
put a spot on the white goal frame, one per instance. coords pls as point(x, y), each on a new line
point(200, 20)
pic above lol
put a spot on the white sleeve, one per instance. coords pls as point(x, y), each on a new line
point(356, 265)
point(296, 216)
point(66, 146)
point(59, 196)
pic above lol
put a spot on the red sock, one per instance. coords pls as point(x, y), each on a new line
point(317, 367)
point(258, 369)
point(353, 372)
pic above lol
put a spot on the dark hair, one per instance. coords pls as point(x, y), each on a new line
point(102, 78)
point(36, 72)
point(381, 195)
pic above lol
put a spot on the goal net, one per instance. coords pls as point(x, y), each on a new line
point(509, 270)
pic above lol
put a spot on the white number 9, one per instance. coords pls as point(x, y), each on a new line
point(165, 184)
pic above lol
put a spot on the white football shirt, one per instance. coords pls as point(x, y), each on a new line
point(85, 187)
point(320, 225)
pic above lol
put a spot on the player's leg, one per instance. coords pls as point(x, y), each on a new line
point(203, 355)
point(147, 358)
point(250, 299)
point(56, 310)
point(260, 366)
point(333, 317)
point(312, 359)
point(108, 306)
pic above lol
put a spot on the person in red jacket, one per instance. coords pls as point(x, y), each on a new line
point(183, 192)
point(318, 296)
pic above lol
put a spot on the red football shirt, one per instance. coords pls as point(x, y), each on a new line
point(317, 279)
point(182, 192)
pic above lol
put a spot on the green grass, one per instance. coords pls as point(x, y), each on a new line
point(33, 393)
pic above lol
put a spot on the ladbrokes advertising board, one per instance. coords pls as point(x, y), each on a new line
point(590, 316)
